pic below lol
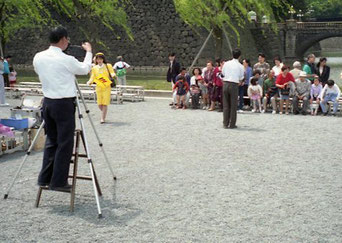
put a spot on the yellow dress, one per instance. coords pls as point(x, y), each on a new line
point(100, 76)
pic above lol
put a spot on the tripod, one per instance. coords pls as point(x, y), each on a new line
point(85, 142)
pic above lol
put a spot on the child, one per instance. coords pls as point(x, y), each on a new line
point(205, 94)
point(330, 92)
point(182, 88)
point(195, 90)
point(255, 93)
point(316, 89)
point(12, 77)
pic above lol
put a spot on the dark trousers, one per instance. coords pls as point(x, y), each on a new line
point(230, 100)
point(195, 101)
point(6, 80)
point(59, 117)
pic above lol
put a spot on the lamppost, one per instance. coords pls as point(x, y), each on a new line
point(265, 19)
point(291, 12)
point(252, 16)
point(300, 15)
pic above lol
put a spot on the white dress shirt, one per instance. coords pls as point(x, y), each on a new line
point(57, 70)
point(233, 71)
point(333, 90)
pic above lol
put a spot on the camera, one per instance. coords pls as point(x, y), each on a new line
point(77, 51)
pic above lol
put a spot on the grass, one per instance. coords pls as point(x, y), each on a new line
point(147, 80)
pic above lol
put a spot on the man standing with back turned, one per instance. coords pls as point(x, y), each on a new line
point(56, 71)
point(233, 74)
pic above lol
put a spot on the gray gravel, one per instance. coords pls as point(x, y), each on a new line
point(183, 178)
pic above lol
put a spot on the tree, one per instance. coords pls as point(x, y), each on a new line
point(18, 14)
point(216, 15)
point(325, 9)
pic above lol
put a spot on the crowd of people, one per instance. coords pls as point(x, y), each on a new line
point(264, 87)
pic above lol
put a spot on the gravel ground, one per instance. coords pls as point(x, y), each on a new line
point(183, 178)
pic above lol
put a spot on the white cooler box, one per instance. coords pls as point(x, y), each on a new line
point(30, 108)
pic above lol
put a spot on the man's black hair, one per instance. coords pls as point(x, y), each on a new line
point(256, 72)
point(330, 82)
point(57, 34)
point(236, 53)
point(172, 54)
point(183, 69)
point(262, 55)
point(254, 81)
point(8, 56)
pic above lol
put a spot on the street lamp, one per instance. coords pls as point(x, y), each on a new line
point(265, 19)
point(300, 15)
point(291, 12)
point(252, 16)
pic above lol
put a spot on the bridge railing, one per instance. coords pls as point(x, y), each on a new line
point(319, 25)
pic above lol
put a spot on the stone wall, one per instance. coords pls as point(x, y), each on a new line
point(157, 29)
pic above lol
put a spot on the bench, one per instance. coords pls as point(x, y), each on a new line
point(132, 93)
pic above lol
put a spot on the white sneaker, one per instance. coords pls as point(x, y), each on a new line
point(204, 108)
point(262, 111)
point(253, 110)
point(280, 113)
point(240, 111)
point(274, 112)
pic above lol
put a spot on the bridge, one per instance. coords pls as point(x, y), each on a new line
point(292, 39)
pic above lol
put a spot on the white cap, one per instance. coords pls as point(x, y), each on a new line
point(302, 74)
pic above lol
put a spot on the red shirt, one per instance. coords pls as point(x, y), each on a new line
point(217, 79)
point(281, 80)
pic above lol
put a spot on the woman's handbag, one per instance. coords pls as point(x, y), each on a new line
point(113, 84)
point(285, 91)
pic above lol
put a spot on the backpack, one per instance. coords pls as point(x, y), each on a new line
point(121, 71)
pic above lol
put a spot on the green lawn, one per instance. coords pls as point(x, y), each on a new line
point(147, 80)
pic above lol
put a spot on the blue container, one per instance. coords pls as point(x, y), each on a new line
point(18, 124)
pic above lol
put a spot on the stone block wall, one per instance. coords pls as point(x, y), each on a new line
point(157, 29)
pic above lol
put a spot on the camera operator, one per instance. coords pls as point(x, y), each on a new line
point(56, 71)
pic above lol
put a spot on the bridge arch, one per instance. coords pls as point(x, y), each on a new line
point(305, 41)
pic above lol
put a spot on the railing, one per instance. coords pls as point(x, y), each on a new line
point(319, 25)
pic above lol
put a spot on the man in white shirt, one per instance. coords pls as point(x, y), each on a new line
point(56, 71)
point(120, 68)
point(233, 73)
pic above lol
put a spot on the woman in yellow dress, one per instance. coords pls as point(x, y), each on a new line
point(100, 74)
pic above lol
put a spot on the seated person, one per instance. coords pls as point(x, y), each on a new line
point(271, 92)
point(195, 89)
point(181, 88)
point(330, 92)
point(316, 89)
point(302, 92)
point(284, 83)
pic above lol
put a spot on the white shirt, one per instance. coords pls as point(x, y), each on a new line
point(233, 71)
point(121, 65)
point(57, 70)
point(277, 69)
point(333, 90)
point(254, 89)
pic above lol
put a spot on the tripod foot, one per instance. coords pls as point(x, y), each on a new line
point(6, 196)
point(114, 178)
point(100, 216)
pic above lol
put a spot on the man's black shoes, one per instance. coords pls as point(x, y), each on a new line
point(66, 188)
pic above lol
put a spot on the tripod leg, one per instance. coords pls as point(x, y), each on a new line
point(88, 155)
point(97, 183)
point(96, 134)
point(24, 160)
point(74, 175)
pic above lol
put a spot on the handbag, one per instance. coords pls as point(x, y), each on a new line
point(113, 84)
point(285, 91)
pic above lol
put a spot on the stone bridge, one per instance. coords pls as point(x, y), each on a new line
point(292, 39)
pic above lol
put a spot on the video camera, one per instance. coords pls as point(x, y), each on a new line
point(77, 51)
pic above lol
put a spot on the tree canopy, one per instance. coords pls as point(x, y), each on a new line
point(18, 14)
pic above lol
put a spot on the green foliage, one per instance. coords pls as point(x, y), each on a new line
point(18, 14)
point(221, 13)
point(325, 9)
